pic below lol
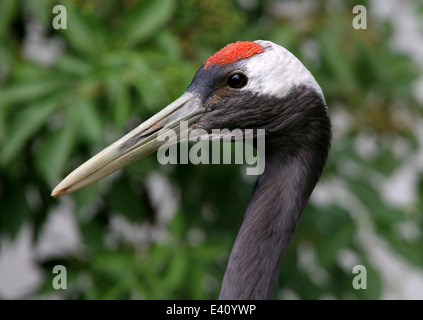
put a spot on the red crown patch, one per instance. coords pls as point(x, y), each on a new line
point(234, 52)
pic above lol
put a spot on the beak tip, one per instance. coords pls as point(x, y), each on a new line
point(56, 193)
point(138, 143)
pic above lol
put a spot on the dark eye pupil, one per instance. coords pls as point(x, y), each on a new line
point(237, 80)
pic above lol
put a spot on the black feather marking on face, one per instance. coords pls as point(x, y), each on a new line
point(211, 83)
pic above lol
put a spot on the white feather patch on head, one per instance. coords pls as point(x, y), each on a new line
point(275, 71)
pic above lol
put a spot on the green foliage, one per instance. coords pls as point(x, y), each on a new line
point(121, 62)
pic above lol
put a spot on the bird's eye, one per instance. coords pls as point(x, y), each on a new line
point(237, 80)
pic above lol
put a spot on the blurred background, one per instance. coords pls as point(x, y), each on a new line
point(165, 232)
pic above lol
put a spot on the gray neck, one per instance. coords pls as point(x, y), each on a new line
point(297, 145)
point(279, 197)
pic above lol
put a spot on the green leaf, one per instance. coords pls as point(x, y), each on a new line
point(329, 248)
point(52, 157)
point(14, 210)
point(80, 33)
point(7, 11)
point(337, 61)
point(7, 56)
point(86, 197)
point(149, 86)
point(168, 42)
point(148, 18)
point(2, 125)
point(72, 65)
point(122, 105)
point(177, 268)
point(144, 166)
point(119, 98)
point(40, 10)
point(29, 91)
point(93, 235)
point(411, 251)
point(124, 201)
point(90, 123)
point(27, 122)
point(385, 163)
point(370, 197)
point(117, 266)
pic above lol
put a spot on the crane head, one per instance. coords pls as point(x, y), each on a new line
point(237, 87)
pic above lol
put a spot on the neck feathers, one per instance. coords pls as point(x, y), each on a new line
point(294, 163)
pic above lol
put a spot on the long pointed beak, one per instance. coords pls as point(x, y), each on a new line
point(138, 143)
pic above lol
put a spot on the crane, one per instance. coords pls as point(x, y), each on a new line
point(245, 85)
